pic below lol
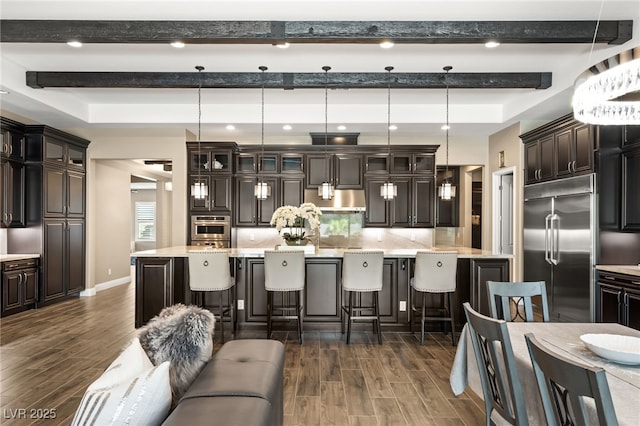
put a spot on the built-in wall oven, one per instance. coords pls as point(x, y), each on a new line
point(211, 230)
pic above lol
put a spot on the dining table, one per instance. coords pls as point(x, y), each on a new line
point(563, 339)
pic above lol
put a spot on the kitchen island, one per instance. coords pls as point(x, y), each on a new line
point(162, 280)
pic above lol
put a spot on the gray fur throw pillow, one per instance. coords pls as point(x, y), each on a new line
point(182, 335)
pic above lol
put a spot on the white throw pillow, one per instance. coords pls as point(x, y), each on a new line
point(130, 363)
point(130, 392)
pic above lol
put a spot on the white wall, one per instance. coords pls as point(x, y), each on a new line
point(109, 144)
point(508, 140)
point(113, 222)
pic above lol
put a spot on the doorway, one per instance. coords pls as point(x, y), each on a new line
point(503, 211)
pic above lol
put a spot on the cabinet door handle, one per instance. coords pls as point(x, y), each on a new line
point(574, 166)
point(608, 277)
point(620, 311)
point(635, 282)
point(10, 217)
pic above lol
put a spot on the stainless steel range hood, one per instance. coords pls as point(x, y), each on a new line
point(344, 200)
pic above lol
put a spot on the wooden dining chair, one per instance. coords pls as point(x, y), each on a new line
point(564, 383)
point(497, 368)
point(506, 298)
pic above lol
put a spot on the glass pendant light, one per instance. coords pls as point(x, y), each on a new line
point(325, 191)
point(447, 190)
point(388, 190)
point(199, 188)
point(262, 190)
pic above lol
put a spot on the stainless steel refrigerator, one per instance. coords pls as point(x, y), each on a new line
point(559, 244)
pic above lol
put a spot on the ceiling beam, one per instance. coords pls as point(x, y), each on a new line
point(222, 80)
point(265, 32)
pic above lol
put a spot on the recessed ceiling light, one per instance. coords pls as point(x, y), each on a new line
point(287, 127)
point(342, 127)
point(445, 127)
point(491, 44)
point(387, 44)
point(231, 127)
point(281, 45)
point(177, 44)
point(393, 127)
point(74, 43)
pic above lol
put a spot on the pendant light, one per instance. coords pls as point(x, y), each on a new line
point(262, 190)
point(388, 190)
point(199, 188)
point(447, 190)
point(325, 191)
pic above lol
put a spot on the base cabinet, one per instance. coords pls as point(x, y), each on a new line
point(618, 299)
point(19, 286)
point(160, 282)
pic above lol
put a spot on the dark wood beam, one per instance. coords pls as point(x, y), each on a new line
point(220, 80)
point(261, 32)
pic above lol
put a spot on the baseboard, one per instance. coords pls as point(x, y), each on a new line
point(103, 286)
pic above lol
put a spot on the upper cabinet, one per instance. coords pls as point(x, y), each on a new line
point(12, 175)
point(560, 149)
point(448, 211)
point(619, 178)
point(211, 163)
point(343, 170)
point(424, 163)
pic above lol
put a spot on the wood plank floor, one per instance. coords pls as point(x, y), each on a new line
point(50, 355)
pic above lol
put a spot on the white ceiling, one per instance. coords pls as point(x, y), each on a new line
point(474, 113)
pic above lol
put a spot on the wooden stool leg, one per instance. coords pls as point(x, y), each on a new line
point(453, 325)
point(424, 309)
point(221, 317)
point(269, 308)
point(377, 320)
point(349, 317)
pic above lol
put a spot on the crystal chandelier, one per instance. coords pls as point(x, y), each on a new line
point(609, 95)
point(388, 190)
point(447, 190)
point(325, 190)
point(262, 190)
point(199, 188)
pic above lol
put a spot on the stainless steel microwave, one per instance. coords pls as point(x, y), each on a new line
point(210, 228)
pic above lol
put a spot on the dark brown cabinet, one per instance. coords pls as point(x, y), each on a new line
point(63, 264)
point(448, 211)
point(160, 282)
point(619, 178)
point(211, 163)
point(618, 299)
point(55, 181)
point(630, 203)
point(563, 148)
point(19, 286)
point(344, 171)
point(483, 270)
point(402, 163)
point(12, 174)
point(219, 193)
point(539, 158)
point(412, 207)
point(249, 211)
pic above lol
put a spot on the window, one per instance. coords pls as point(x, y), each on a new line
point(145, 221)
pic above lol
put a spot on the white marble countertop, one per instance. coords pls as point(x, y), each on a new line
point(621, 269)
point(10, 257)
point(182, 251)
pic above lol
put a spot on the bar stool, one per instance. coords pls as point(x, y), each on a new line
point(284, 271)
point(362, 272)
point(435, 272)
point(209, 272)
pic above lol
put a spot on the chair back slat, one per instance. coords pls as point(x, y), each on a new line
point(284, 270)
point(497, 368)
point(506, 299)
point(563, 384)
point(209, 270)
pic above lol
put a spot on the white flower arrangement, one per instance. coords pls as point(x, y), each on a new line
point(294, 218)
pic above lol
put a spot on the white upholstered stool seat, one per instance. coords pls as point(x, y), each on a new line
point(209, 271)
point(435, 273)
point(361, 272)
point(284, 271)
